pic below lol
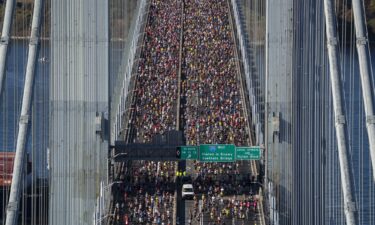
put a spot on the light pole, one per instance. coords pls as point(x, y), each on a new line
point(102, 201)
point(100, 220)
point(110, 185)
point(118, 154)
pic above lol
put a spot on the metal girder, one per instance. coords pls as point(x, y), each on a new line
point(162, 148)
point(124, 152)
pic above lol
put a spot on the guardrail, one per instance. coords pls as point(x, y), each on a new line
point(243, 96)
point(245, 59)
point(120, 103)
point(249, 76)
point(121, 92)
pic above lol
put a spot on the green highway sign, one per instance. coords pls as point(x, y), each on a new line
point(189, 152)
point(217, 153)
point(248, 153)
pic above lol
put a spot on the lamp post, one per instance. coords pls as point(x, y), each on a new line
point(110, 185)
point(100, 220)
point(102, 201)
point(120, 154)
point(117, 155)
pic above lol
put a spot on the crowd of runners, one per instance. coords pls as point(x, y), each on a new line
point(214, 110)
point(221, 179)
point(221, 210)
point(211, 86)
point(226, 191)
point(211, 112)
point(145, 193)
point(156, 87)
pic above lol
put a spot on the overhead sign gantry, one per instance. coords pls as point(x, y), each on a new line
point(168, 147)
point(218, 153)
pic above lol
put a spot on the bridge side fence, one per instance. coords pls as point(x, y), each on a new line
point(254, 102)
point(118, 106)
point(120, 103)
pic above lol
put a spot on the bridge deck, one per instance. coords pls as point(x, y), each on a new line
point(188, 78)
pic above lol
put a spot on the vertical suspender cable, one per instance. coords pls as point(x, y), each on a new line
point(12, 208)
point(365, 71)
point(337, 96)
point(9, 8)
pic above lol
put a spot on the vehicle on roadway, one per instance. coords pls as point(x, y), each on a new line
point(187, 191)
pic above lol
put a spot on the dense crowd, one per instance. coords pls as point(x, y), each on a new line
point(220, 209)
point(212, 112)
point(211, 86)
point(221, 178)
point(147, 193)
point(227, 192)
point(214, 108)
point(156, 88)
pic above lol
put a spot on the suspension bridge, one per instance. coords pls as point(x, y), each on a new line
point(138, 111)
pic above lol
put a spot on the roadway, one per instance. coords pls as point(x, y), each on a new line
point(184, 104)
point(186, 207)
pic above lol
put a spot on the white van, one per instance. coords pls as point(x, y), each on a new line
point(187, 191)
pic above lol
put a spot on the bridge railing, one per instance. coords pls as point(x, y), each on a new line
point(254, 98)
point(120, 103)
point(249, 76)
point(123, 86)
